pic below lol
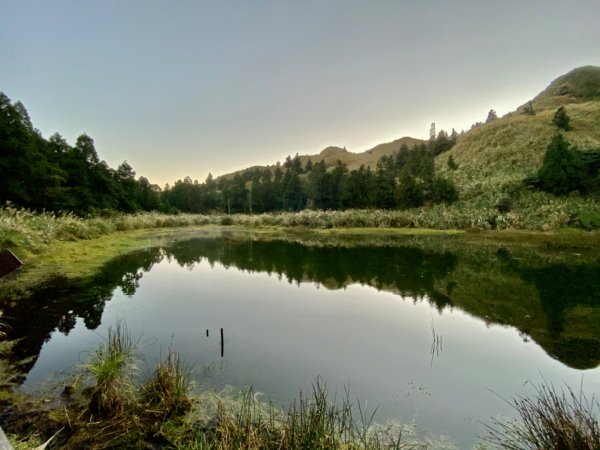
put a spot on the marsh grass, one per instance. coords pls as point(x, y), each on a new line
point(167, 393)
point(165, 411)
point(112, 411)
point(315, 420)
point(112, 368)
point(30, 234)
point(550, 419)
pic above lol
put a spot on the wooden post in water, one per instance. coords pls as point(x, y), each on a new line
point(206, 333)
point(222, 343)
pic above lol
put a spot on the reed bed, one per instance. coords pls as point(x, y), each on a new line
point(32, 231)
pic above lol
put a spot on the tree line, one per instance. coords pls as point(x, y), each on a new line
point(405, 179)
point(50, 174)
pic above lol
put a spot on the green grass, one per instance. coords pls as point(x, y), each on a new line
point(550, 419)
point(112, 368)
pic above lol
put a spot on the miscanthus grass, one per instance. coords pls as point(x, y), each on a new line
point(32, 231)
point(549, 419)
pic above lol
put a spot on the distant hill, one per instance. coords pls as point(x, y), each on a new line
point(331, 155)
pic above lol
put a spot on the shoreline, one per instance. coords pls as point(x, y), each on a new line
point(78, 257)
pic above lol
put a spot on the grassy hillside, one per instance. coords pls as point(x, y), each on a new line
point(578, 86)
point(495, 157)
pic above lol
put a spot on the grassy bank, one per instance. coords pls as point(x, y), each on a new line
point(52, 244)
point(29, 231)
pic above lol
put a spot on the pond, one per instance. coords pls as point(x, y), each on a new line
point(429, 332)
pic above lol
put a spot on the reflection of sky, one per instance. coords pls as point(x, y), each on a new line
point(278, 336)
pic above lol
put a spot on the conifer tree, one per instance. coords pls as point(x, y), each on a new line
point(561, 119)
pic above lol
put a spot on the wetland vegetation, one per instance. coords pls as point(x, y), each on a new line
point(338, 265)
point(495, 279)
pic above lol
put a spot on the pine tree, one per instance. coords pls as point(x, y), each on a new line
point(561, 119)
point(563, 170)
point(491, 116)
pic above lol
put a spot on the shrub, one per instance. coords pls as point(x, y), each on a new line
point(504, 204)
point(452, 165)
point(227, 220)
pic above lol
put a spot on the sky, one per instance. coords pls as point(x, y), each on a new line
point(183, 88)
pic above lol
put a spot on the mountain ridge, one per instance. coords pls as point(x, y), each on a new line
point(331, 154)
point(577, 87)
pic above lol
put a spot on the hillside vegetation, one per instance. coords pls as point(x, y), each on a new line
point(489, 163)
point(510, 172)
point(494, 158)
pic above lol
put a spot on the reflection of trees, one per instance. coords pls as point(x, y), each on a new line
point(407, 270)
point(562, 287)
point(56, 304)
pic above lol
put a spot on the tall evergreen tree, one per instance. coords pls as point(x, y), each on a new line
point(561, 119)
point(491, 116)
point(562, 170)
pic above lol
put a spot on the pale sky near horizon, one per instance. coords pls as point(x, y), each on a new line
point(183, 88)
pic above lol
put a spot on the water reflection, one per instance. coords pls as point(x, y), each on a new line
point(563, 289)
point(512, 293)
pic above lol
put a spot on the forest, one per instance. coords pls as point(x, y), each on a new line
point(52, 175)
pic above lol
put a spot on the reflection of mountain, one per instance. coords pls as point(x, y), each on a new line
point(496, 288)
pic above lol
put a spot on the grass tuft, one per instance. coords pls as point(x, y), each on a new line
point(551, 419)
point(112, 368)
point(167, 393)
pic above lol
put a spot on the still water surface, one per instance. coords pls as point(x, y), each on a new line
point(403, 327)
